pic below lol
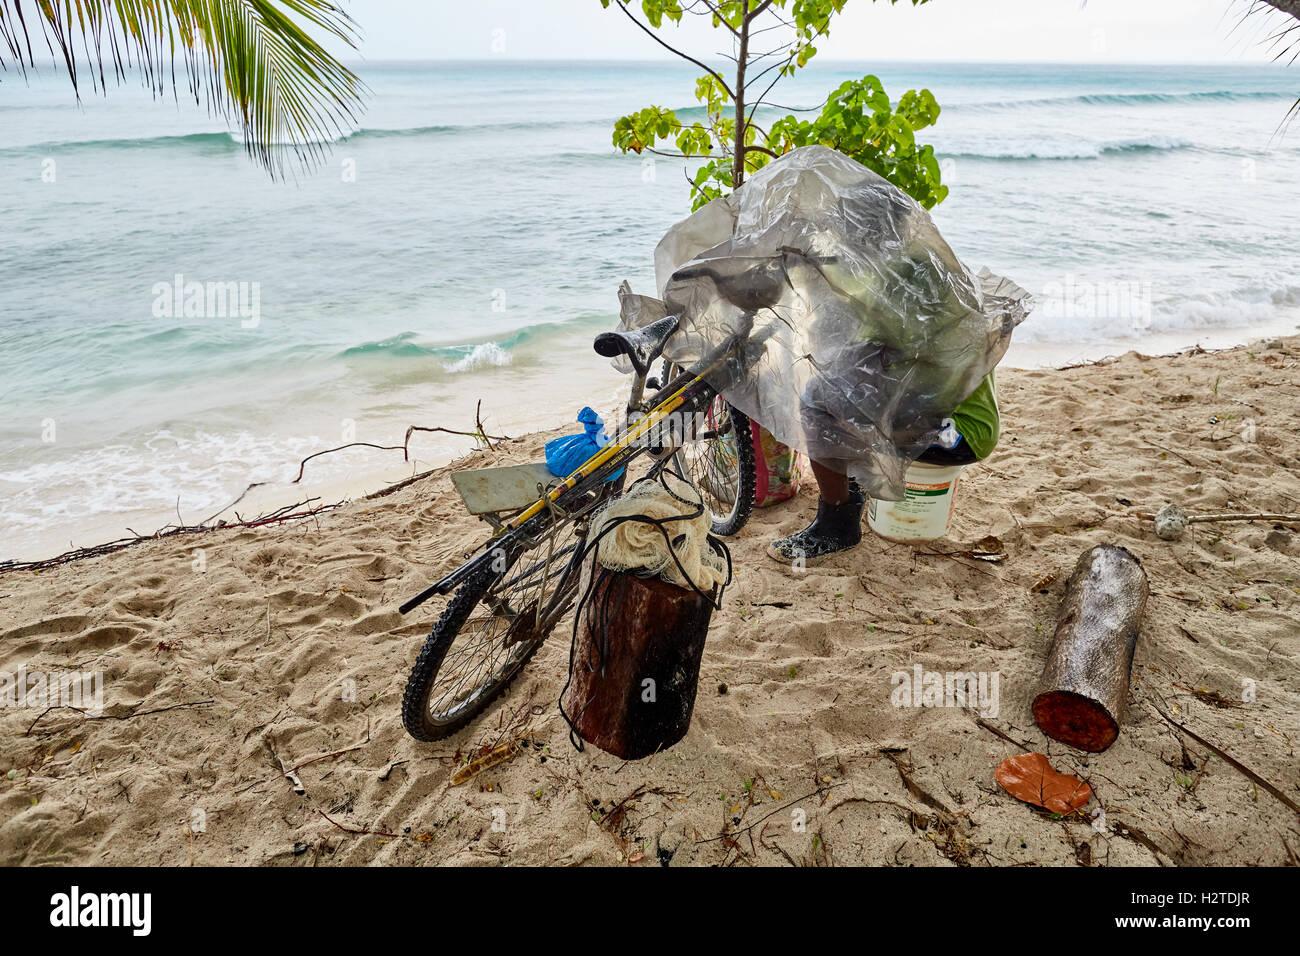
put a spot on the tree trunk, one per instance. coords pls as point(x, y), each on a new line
point(738, 159)
point(1085, 682)
point(635, 663)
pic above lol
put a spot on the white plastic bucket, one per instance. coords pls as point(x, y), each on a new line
point(927, 509)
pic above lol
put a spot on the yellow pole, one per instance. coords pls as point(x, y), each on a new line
point(637, 431)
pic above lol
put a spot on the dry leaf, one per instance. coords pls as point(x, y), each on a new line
point(636, 857)
point(1043, 583)
point(479, 764)
point(1030, 777)
point(989, 548)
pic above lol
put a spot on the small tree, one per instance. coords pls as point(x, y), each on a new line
point(857, 119)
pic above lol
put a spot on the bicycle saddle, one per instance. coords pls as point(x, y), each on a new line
point(641, 346)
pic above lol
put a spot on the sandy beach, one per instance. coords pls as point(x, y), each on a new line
point(234, 655)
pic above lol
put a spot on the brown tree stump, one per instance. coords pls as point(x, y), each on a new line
point(636, 663)
point(1086, 679)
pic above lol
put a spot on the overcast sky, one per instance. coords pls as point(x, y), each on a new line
point(1053, 30)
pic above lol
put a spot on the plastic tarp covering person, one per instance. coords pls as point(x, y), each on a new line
point(880, 331)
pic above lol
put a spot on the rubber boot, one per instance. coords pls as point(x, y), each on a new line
point(836, 528)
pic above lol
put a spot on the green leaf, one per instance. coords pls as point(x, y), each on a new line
point(858, 118)
point(262, 64)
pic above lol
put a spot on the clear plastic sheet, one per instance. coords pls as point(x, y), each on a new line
point(874, 329)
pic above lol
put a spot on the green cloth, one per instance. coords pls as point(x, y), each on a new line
point(977, 418)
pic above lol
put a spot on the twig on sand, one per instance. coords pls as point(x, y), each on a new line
point(405, 446)
point(1080, 523)
point(1233, 516)
point(138, 713)
point(287, 513)
point(334, 753)
point(486, 761)
point(255, 484)
point(916, 790)
point(735, 833)
point(287, 770)
point(382, 833)
point(291, 512)
point(998, 733)
point(302, 465)
point(404, 483)
point(989, 555)
point(1232, 761)
point(478, 424)
point(1170, 451)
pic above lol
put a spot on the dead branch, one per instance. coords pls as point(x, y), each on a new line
point(381, 833)
point(1233, 516)
point(998, 733)
point(1232, 761)
point(290, 512)
point(110, 547)
point(746, 829)
point(352, 444)
point(333, 753)
point(138, 713)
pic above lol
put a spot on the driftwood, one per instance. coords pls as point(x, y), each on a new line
point(293, 512)
point(636, 662)
point(1086, 679)
point(1234, 516)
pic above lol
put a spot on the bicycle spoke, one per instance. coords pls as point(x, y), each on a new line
point(490, 643)
point(712, 462)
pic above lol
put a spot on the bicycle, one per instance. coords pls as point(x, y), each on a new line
point(524, 579)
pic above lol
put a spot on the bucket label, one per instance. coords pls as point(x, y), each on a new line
point(923, 513)
point(927, 491)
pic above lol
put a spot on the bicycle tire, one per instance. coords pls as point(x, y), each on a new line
point(748, 484)
point(742, 506)
point(416, 717)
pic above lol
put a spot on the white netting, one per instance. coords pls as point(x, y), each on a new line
point(632, 545)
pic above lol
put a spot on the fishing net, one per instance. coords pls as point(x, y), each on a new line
point(657, 528)
point(874, 329)
point(660, 529)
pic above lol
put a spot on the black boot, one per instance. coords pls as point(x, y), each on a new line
point(836, 528)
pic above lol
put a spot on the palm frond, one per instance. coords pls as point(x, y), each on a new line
point(1285, 39)
point(256, 62)
point(1286, 6)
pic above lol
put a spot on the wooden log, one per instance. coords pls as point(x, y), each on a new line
point(1086, 679)
point(636, 663)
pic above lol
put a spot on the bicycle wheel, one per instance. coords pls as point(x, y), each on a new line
point(493, 625)
point(717, 457)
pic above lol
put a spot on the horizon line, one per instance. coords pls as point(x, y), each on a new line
point(484, 60)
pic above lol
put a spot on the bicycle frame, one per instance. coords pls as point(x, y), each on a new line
point(629, 442)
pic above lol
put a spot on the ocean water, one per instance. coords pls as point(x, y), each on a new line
point(466, 243)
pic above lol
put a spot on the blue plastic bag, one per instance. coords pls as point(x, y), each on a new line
point(566, 455)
